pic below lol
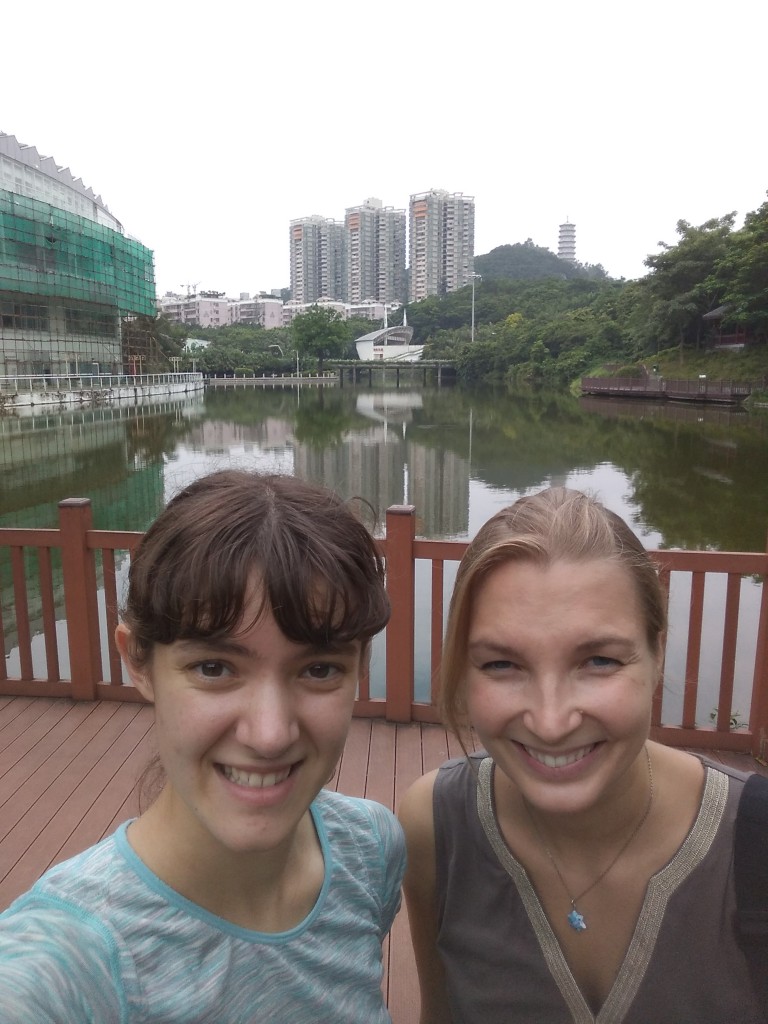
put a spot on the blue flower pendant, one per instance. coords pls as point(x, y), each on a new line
point(576, 921)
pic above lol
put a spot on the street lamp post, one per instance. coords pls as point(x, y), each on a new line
point(474, 277)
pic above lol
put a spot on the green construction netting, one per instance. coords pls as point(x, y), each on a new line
point(47, 251)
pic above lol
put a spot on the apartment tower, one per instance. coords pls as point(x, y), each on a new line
point(318, 259)
point(442, 242)
point(375, 243)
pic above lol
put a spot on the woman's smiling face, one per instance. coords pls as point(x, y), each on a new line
point(249, 728)
point(560, 678)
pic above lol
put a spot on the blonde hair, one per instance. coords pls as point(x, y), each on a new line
point(556, 524)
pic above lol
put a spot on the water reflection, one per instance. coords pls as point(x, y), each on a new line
point(691, 477)
point(113, 455)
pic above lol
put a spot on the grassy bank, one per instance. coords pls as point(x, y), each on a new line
point(750, 364)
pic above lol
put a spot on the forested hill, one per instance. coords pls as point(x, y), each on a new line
point(525, 261)
point(708, 289)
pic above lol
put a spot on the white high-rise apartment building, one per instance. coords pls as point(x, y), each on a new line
point(442, 242)
point(375, 250)
point(318, 259)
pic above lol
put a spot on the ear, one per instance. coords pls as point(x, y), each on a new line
point(139, 675)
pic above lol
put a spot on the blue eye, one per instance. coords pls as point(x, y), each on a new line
point(502, 667)
point(601, 661)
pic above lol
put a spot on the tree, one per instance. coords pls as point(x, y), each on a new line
point(320, 334)
point(683, 283)
point(743, 275)
point(526, 261)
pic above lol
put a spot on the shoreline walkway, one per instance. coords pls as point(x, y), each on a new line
point(723, 392)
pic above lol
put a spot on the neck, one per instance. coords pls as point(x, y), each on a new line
point(576, 894)
point(229, 883)
point(610, 819)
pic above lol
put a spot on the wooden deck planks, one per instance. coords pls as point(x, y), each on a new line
point(110, 783)
point(22, 754)
point(47, 760)
point(734, 759)
point(68, 774)
point(403, 984)
point(352, 772)
point(143, 755)
point(380, 784)
point(52, 803)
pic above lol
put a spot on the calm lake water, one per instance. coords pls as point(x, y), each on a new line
point(683, 476)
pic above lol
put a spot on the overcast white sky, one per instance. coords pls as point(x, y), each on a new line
point(207, 127)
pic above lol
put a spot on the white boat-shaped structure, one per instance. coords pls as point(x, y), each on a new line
point(390, 343)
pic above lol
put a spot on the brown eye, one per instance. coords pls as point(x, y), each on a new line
point(211, 669)
point(321, 671)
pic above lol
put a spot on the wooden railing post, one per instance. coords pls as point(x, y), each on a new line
point(401, 587)
point(759, 710)
point(80, 604)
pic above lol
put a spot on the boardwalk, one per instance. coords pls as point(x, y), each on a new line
point(702, 389)
point(68, 774)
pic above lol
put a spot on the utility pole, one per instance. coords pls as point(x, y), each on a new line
point(473, 278)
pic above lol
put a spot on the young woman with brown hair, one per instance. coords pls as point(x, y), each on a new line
point(245, 892)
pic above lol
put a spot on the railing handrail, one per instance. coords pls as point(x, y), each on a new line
point(89, 644)
point(93, 381)
point(667, 384)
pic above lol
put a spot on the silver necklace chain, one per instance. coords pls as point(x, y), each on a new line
point(575, 919)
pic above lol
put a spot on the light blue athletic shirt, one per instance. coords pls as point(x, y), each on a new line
point(101, 940)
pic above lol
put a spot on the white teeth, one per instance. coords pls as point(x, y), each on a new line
point(559, 760)
point(257, 780)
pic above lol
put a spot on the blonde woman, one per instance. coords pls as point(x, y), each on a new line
point(573, 871)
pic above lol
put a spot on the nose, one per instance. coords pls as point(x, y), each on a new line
point(551, 713)
point(267, 722)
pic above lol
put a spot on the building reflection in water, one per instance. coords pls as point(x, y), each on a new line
point(113, 455)
point(388, 467)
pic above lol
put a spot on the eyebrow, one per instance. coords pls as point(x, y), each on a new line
point(227, 645)
point(608, 640)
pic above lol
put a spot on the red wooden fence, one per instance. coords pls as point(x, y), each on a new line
point(75, 568)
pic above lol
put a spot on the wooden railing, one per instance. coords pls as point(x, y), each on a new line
point(699, 389)
point(93, 381)
point(715, 692)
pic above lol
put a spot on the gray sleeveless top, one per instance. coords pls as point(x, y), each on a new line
point(503, 964)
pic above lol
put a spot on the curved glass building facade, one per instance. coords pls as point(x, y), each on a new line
point(69, 275)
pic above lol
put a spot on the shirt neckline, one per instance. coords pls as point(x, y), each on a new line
point(661, 887)
point(186, 906)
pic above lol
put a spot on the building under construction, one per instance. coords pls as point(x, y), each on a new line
point(77, 296)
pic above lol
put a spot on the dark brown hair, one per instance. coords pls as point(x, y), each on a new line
point(194, 570)
point(555, 524)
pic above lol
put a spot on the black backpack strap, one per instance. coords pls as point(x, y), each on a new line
point(751, 878)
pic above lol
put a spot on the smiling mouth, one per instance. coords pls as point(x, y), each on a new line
point(559, 760)
point(254, 780)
